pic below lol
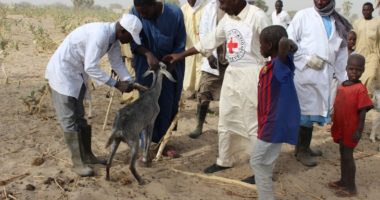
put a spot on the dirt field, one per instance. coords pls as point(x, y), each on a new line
point(35, 164)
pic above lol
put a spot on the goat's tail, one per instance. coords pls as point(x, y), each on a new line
point(111, 139)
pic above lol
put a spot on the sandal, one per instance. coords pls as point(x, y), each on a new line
point(335, 185)
point(345, 193)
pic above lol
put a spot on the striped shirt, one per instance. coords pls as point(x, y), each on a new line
point(278, 108)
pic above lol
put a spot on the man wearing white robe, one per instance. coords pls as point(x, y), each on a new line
point(192, 12)
point(320, 33)
point(280, 16)
point(367, 30)
point(237, 127)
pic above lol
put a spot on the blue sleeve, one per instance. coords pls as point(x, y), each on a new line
point(282, 72)
point(132, 43)
point(180, 37)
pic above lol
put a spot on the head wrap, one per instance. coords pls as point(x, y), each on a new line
point(143, 2)
point(343, 26)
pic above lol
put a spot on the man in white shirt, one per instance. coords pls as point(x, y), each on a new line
point(321, 36)
point(73, 63)
point(240, 29)
point(279, 16)
point(212, 68)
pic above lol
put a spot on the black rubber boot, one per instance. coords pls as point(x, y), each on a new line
point(308, 137)
point(87, 156)
point(201, 117)
point(302, 148)
point(72, 141)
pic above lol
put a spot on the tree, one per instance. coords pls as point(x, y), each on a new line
point(346, 8)
point(261, 4)
point(83, 3)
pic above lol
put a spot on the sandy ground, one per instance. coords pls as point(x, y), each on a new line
point(25, 139)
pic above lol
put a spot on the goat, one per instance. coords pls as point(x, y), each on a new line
point(135, 118)
point(376, 121)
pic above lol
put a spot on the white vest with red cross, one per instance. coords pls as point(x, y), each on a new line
point(239, 36)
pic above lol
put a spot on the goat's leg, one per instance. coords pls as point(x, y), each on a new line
point(132, 166)
point(375, 126)
point(114, 146)
point(148, 132)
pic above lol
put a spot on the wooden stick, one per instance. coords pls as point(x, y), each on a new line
point(5, 193)
point(5, 182)
point(11, 196)
point(5, 74)
point(60, 159)
point(41, 100)
point(218, 179)
point(169, 132)
point(108, 109)
point(89, 115)
point(166, 138)
point(56, 182)
point(308, 193)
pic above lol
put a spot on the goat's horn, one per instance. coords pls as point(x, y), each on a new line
point(168, 75)
point(147, 73)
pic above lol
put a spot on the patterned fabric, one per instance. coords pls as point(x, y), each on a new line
point(278, 108)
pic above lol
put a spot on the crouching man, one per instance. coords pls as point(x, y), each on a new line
point(73, 63)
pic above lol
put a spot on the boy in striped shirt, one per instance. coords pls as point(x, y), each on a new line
point(278, 108)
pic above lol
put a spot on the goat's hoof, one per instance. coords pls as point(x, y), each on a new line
point(142, 182)
point(146, 164)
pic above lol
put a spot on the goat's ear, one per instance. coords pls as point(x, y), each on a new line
point(168, 75)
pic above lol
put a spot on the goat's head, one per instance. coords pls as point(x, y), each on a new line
point(162, 69)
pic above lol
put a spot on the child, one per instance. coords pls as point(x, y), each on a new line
point(350, 107)
point(351, 42)
point(278, 108)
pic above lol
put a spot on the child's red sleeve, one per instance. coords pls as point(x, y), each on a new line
point(364, 102)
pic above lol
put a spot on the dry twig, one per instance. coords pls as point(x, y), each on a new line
point(5, 182)
point(217, 179)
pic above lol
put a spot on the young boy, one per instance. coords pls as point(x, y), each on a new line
point(350, 107)
point(278, 108)
point(351, 42)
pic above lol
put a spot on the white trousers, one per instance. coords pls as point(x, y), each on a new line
point(262, 163)
point(233, 147)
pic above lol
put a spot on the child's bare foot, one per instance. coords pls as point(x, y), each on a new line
point(346, 193)
point(336, 185)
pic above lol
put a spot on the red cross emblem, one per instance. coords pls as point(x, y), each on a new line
point(231, 45)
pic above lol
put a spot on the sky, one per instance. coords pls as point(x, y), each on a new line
point(288, 4)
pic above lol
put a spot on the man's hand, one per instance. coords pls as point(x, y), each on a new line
point(212, 61)
point(152, 61)
point(124, 86)
point(357, 135)
point(172, 58)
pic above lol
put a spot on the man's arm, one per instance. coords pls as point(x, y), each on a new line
point(117, 64)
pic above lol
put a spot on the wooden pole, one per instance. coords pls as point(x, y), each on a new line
point(108, 108)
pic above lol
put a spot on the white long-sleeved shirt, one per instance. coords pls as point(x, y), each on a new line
point(282, 18)
point(208, 24)
point(78, 56)
point(314, 86)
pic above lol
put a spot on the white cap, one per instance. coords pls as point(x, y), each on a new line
point(133, 25)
